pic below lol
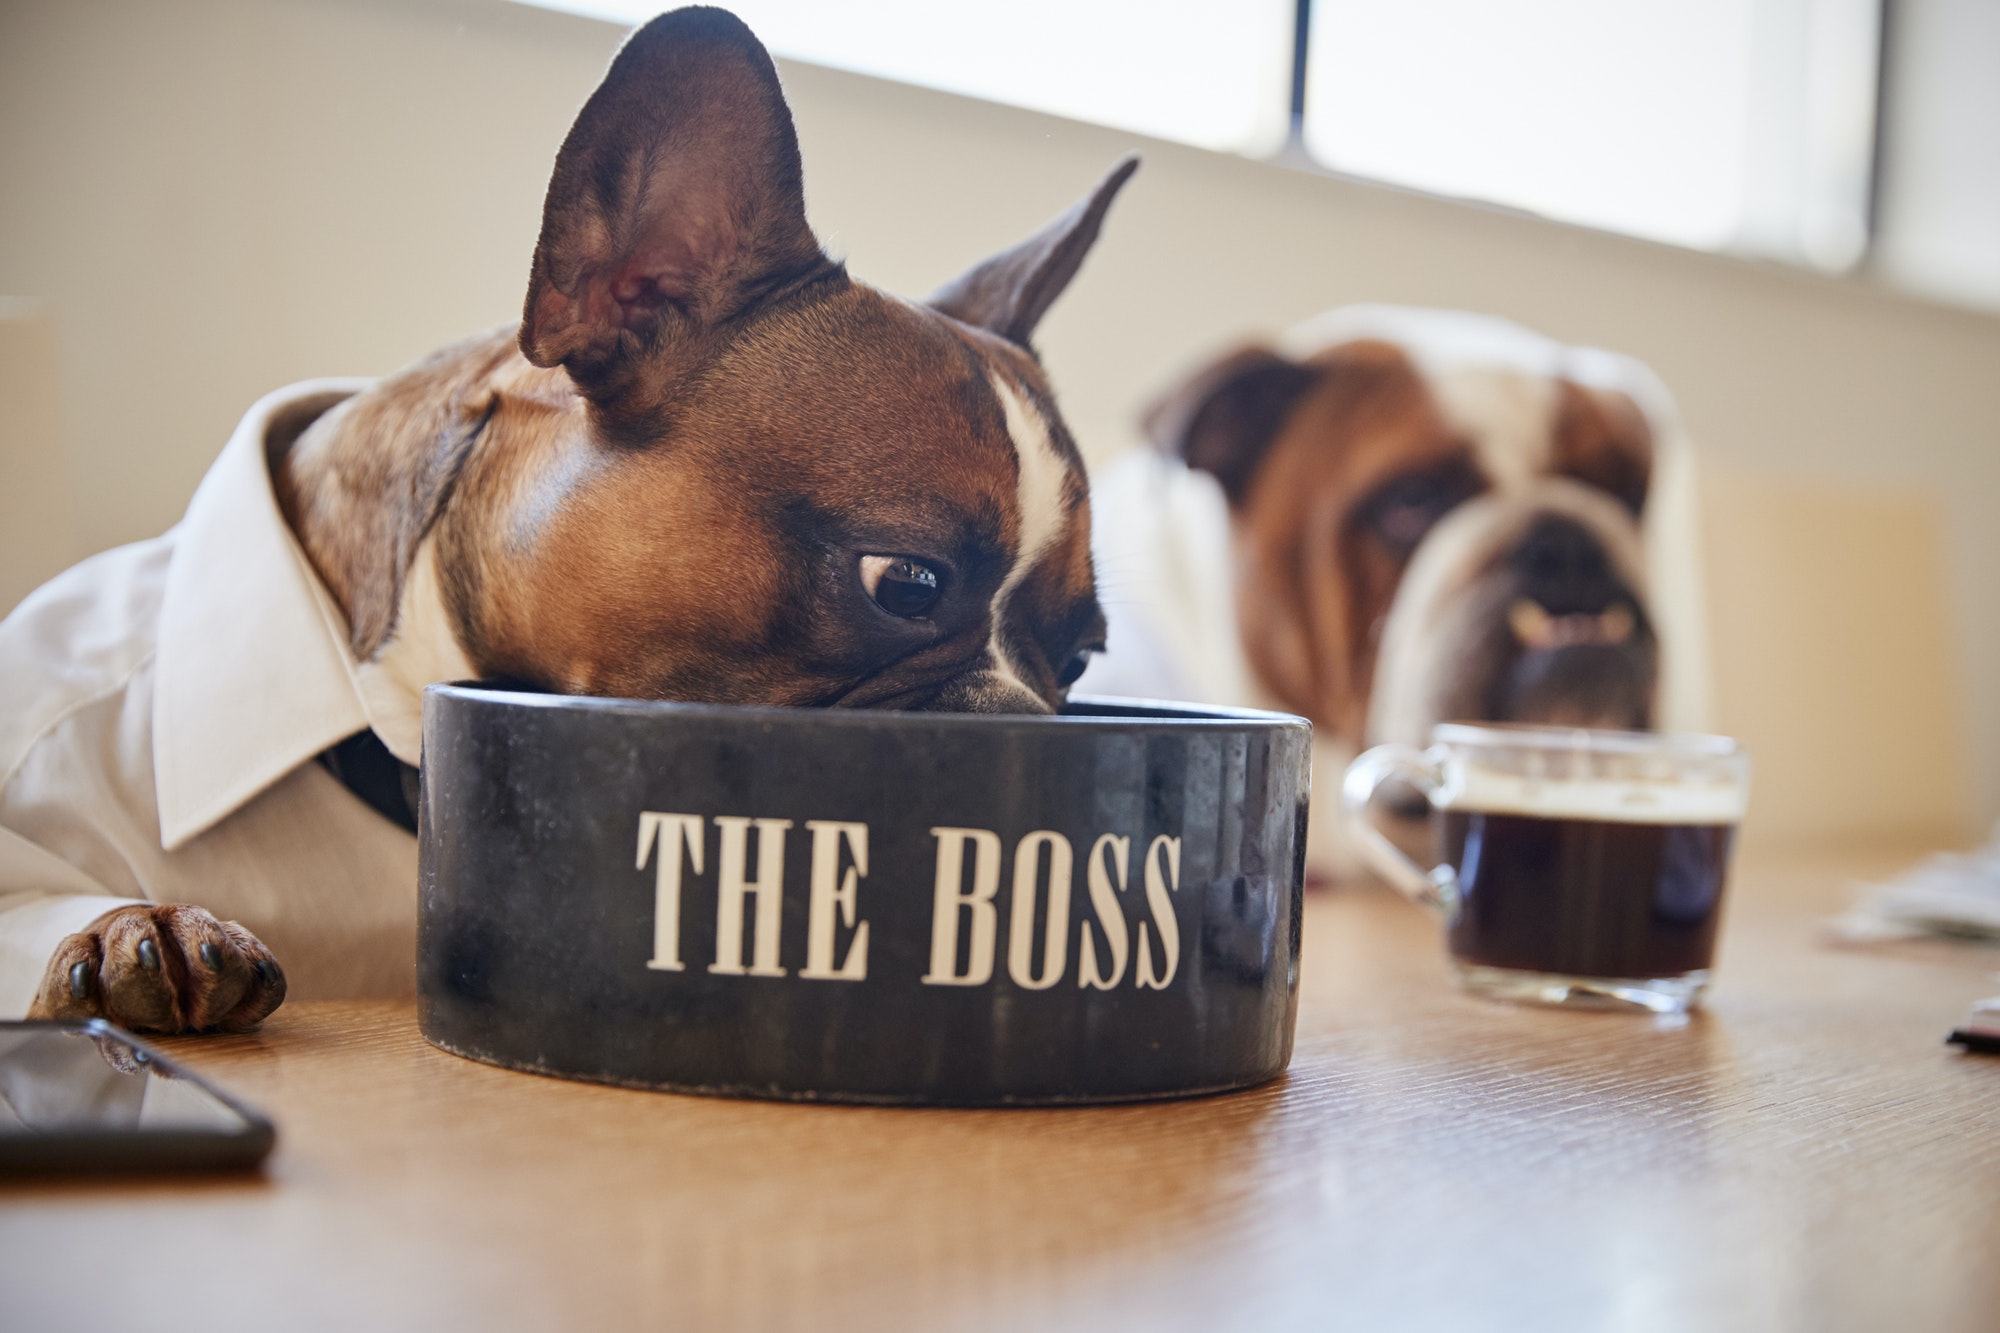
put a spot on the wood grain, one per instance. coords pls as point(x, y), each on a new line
point(1806, 1155)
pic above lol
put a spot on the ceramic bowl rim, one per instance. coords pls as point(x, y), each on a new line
point(1131, 714)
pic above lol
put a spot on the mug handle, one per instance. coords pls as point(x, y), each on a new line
point(1437, 888)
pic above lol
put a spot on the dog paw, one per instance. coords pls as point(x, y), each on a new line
point(166, 969)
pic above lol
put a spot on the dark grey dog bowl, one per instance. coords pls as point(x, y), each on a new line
point(857, 906)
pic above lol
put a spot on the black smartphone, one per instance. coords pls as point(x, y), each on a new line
point(87, 1097)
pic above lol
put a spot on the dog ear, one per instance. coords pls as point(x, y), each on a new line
point(1009, 293)
point(1602, 437)
point(676, 204)
point(1223, 418)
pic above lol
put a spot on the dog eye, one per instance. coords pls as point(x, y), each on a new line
point(899, 585)
point(1403, 511)
point(1407, 508)
point(1074, 668)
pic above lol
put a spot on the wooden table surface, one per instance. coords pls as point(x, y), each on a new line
point(1806, 1155)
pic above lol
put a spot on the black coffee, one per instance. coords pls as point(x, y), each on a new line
point(1585, 897)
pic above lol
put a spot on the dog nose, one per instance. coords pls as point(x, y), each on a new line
point(1564, 567)
point(984, 692)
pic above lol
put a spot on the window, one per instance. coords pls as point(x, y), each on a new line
point(1742, 125)
point(1213, 73)
point(1724, 124)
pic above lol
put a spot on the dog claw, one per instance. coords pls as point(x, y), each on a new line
point(166, 968)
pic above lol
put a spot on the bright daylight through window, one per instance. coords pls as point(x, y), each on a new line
point(1213, 73)
point(1734, 125)
point(1723, 124)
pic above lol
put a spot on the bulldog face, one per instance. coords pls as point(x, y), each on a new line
point(1425, 538)
point(711, 466)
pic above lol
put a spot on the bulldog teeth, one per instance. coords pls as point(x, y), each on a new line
point(1537, 629)
point(1616, 625)
point(1533, 626)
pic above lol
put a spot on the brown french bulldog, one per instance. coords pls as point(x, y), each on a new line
point(707, 465)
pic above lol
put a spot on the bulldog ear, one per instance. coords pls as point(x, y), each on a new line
point(1009, 293)
point(1223, 418)
point(1602, 437)
point(676, 203)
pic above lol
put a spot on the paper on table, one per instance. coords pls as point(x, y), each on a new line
point(1952, 893)
point(1980, 1032)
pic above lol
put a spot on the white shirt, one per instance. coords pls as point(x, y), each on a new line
point(163, 705)
point(1161, 541)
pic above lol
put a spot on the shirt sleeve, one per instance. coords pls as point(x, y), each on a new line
point(42, 899)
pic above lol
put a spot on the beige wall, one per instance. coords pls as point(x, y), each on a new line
point(1832, 654)
point(216, 196)
point(37, 514)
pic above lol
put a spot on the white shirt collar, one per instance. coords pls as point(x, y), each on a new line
point(253, 675)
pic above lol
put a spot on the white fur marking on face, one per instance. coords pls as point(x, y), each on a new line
point(1040, 496)
point(421, 649)
point(1508, 415)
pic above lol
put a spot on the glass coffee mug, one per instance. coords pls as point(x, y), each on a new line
point(1575, 867)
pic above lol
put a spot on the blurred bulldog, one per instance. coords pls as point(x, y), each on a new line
point(1393, 518)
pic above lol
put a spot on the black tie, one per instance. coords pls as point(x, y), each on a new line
point(385, 783)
